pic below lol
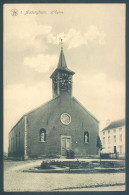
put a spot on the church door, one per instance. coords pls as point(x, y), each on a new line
point(65, 144)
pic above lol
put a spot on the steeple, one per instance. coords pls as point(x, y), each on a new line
point(62, 77)
point(62, 65)
point(62, 62)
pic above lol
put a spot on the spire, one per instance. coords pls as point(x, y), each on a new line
point(62, 66)
point(61, 42)
point(62, 61)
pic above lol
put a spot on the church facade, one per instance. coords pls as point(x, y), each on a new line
point(59, 125)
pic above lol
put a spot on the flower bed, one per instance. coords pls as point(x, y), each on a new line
point(80, 164)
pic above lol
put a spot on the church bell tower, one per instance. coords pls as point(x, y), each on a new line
point(62, 77)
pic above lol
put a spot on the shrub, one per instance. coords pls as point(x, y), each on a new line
point(45, 165)
point(70, 154)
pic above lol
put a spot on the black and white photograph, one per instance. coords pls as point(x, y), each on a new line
point(64, 70)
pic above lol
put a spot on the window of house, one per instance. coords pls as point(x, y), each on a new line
point(103, 140)
point(103, 132)
point(108, 131)
point(42, 135)
point(114, 130)
point(120, 129)
point(109, 149)
point(114, 138)
point(109, 139)
point(86, 137)
point(115, 150)
point(120, 149)
point(120, 137)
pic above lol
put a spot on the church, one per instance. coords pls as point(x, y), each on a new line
point(60, 125)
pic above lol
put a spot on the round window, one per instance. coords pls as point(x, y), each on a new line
point(65, 119)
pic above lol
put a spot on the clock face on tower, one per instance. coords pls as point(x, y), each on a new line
point(65, 119)
point(65, 81)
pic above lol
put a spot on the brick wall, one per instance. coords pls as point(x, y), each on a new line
point(48, 117)
point(16, 139)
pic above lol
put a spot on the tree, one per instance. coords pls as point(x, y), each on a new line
point(99, 146)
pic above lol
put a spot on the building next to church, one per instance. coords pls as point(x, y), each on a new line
point(113, 138)
point(59, 125)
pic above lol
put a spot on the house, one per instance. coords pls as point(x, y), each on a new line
point(113, 137)
point(59, 125)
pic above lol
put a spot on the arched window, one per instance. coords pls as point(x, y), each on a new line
point(42, 135)
point(86, 137)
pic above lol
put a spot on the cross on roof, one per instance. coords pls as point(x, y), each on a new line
point(61, 42)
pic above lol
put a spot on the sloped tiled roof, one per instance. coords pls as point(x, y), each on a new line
point(27, 113)
point(115, 124)
point(85, 109)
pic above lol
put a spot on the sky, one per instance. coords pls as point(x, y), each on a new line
point(94, 48)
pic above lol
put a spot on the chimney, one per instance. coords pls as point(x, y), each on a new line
point(107, 122)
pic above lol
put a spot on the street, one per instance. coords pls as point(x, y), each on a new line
point(15, 180)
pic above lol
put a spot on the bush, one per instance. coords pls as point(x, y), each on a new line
point(45, 165)
point(79, 164)
point(70, 154)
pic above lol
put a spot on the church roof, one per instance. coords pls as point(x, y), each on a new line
point(62, 65)
point(85, 109)
point(115, 124)
point(49, 105)
point(27, 113)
